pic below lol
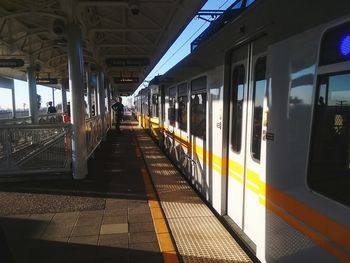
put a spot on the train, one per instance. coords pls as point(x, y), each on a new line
point(257, 118)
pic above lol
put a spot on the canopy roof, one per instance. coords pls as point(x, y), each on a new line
point(126, 37)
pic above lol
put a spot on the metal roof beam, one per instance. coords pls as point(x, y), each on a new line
point(103, 3)
point(122, 3)
point(125, 29)
point(124, 45)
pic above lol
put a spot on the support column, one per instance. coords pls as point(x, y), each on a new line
point(53, 97)
point(76, 83)
point(101, 100)
point(109, 103)
point(14, 114)
point(97, 108)
point(33, 102)
point(64, 86)
point(88, 90)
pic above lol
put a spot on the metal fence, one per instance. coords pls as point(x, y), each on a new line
point(35, 148)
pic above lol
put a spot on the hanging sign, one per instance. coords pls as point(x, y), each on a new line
point(127, 62)
point(11, 63)
point(125, 80)
point(46, 81)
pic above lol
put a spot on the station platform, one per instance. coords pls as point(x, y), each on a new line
point(134, 206)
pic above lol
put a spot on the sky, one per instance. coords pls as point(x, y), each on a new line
point(179, 50)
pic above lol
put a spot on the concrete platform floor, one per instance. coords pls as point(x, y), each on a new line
point(104, 218)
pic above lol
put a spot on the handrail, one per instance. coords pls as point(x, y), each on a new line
point(42, 119)
point(35, 126)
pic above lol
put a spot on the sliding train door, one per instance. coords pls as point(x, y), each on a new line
point(247, 146)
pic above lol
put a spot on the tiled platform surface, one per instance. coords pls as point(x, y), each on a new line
point(198, 234)
point(105, 218)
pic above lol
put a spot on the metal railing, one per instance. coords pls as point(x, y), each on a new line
point(35, 148)
point(42, 119)
point(94, 133)
point(108, 120)
point(44, 147)
point(51, 118)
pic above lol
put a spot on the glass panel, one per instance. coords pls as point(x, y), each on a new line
point(155, 105)
point(171, 110)
point(199, 84)
point(258, 101)
point(182, 111)
point(237, 103)
point(198, 115)
point(182, 88)
point(6, 104)
point(330, 151)
point(182, 114)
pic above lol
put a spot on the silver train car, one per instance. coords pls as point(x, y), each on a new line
point(257, 118)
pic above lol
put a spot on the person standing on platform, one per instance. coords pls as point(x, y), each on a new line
point(118, 109)
point(51, 109)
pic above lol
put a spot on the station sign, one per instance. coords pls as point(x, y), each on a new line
point(125, 80)
point(46, 81)
point(11, 63)
point(127, 62)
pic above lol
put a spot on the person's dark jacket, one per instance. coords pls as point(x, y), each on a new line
point(118, 108)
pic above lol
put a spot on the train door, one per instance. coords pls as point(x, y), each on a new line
point(198, 116)
point(247, 154)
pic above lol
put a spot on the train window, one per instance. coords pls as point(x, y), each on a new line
point(182, 111)
point(155, 105)
point(237, 102)
point(258, 102)
point(144, 105)
point(198, 115)
point(329, 170)
point(198, 107)
point(171, 109)
point(199, 84)
point(335, 47)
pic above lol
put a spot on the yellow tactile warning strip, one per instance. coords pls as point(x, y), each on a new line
point(199, 235)
point(165, 242)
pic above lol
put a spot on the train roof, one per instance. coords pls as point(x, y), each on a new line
point(277, 20)
point(230, 14)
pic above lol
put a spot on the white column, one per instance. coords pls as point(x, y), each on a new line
point(33, 103)
point(97, 108)
point(101, 100)
point(64, 86)
point(76, 83)
point(13, 102)
point(88, 91)
point(53, 97)
point(109, 102)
